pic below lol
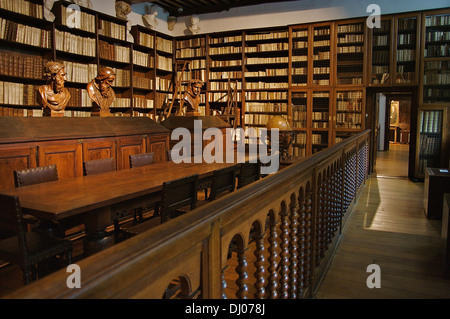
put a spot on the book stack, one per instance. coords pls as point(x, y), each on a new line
point(26, 66)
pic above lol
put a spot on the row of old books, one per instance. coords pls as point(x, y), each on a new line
point(143, 59)
point(142, 82)
point(265, 107)
point(223, 40)
point(267, 72)
point(191, 43)
point(18, 93)
point(25, 66)
point(267, 47)
point(266, 85)
point(114, 52)
point(164, 63)
point(83, 21)
point(431, 121)
point(164, 45)
point(79, 98)
point(79, 72)
point(72, 43)
point(192, 52)
point(266, 95)
point(20, 33)
point(25, 7)
point(112, 30)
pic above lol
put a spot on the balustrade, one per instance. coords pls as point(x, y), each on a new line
point(282, 229)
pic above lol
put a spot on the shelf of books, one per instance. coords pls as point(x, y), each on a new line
point(299, 54)
point(436, 58)
point(26, 46)
point(406, 57)
point(164, 85)
point(349, 110)
point(381, 53)
point(192, 51)
point(225, 63)
point(320, 120)
point(143, 71)
point(430, 147)
point(76, 48)
point(321, 55)
point(299, 119)
point(350, 44)
point(266, 79)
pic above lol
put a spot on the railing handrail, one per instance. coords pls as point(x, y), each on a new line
point(112, 272)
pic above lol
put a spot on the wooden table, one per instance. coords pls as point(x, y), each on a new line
point(101, 198)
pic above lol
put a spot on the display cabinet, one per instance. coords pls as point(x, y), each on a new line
point(381, 53)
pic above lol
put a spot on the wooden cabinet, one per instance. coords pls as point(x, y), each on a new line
point(437, 183)
point(67, 142)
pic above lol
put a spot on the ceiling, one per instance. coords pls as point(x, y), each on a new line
point(188, 7)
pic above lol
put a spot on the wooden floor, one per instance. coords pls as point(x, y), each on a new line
point(388, 227)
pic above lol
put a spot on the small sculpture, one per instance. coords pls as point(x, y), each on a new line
point(150, 18)
point(48, 14)
point(53, 96)
point(101, 93)
point(191, 97)
point(171, 20)
point(194, 28)
point(122, 9)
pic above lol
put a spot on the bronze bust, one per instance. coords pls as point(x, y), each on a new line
point(192, 97)
point(101, 93)
point(53, 96)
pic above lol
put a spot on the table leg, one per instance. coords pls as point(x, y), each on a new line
point(96, 222)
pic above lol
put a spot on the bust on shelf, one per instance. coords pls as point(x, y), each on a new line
point(191, 98)
point(53, 96)
point(101, 93)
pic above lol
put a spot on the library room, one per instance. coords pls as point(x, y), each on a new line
point(217, 149)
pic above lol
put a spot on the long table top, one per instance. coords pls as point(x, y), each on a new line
point(61, 199)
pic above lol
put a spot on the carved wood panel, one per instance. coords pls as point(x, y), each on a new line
point(129, 146)
point(67, 157)
point(158, 145)
point(12, 159)
point(98, 149)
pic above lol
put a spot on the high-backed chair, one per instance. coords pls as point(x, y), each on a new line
point(98, 166)
point(223, 180)
point(137, 160)
point(249, 173)
point(26, 249)
point(31, 176)
point(176, 194)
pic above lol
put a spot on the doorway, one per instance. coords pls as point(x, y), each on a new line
point(393, 111)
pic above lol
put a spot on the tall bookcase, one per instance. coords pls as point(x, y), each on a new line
point(433, 115)
point(26, 46)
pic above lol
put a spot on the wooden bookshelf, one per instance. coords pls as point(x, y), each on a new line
point(266, 75)
point(143, 74)
point(406, 71)
point(224, 62)
point(350, 52)
point(381, 53)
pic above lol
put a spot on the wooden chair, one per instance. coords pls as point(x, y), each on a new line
point(27, 248)
point(98, 166)
point(33, 176)
point(176, 194)
point(137, 160)
point(249, 173)
point(223, 180)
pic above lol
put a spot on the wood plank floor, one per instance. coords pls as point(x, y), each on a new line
point(388, 227)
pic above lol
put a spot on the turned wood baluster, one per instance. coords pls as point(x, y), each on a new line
point(293, 248)
point(260, 270)
point(241, 269)
point(325, 218)
point(301, 247)
point(308, 239)
point(284, 255)
point(319, 224)
point(273, 260)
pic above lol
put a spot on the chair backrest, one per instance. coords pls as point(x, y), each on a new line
point(178, 193)
point(99, 166)
point(11, 220)
point(223, 180)
point(137, 160)
point(250, 172)
point(35, 175)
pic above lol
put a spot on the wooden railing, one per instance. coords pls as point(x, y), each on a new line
point(274, 238)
